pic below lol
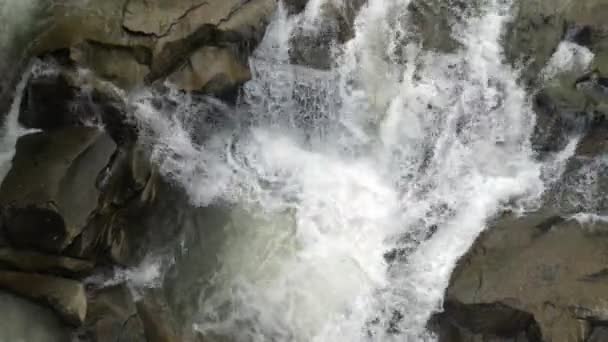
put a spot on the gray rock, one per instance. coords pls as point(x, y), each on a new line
point(598, 334)
point(50, 190)
point(312, 45)
point(22, 320)
point(125, 66)
point(543, 265)
point(211, 70)
point(29, 261)
point(66, 297)
point(294, 6)
point(112, 316)
point(49, 102)
point(157, 319)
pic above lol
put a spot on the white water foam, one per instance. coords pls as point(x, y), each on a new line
point(12, 130)
point(356, 189)
point(569, 57)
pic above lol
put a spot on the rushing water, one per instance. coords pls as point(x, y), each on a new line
point(355, 189)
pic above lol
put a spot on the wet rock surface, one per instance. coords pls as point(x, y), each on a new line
point(31, 261)
point(83, 205)
point(546, 266)
point(23, 320)
point(66, 297)
point(47, 212)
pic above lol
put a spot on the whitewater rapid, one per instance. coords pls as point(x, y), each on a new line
point(356, 189)
point(352, 191)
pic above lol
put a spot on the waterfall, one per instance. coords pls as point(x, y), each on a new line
point(356, 189)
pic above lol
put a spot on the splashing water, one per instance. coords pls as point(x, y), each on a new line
point(355, 189)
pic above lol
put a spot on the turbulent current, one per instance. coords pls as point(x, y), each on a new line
point(356, 189)
point(353, 190)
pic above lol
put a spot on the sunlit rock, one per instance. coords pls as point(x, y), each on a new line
point(550, 267)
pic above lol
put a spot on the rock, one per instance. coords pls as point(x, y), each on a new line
point(432, 22)
point(76, 22)
point(48, 102)
point(125, 66)
point(22, 21)
point(138, 211)
point(482, 322)
point(211, 70)
point(156, 317)
point(59, 95)
point(66, 297)
point(42, 263)
point(212, 23)
point(294, 6)
point(549, 267)
point(161, 18)
point(311, 44)
point(21, 320)
point(598, 334)
point(112, 316)
point(540, 25)
point(134, 42)
point(50, 190)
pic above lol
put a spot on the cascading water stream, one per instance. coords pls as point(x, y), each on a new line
point(356, 189)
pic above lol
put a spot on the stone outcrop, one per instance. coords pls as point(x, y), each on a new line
point(546, 267)
point(112, 316)
point(30, 261)
point(134, 41)
point(22, 320)
point(46, 211)
point(211, 70)
point(66, 297)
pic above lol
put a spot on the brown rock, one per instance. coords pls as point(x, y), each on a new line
point(29, 261)
point(549, 267)
point(211, 70)
point(50, 190)
point(112, 316)
point(22, 320)
point(66, 297)
point(156, 317)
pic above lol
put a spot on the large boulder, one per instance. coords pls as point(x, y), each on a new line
point(66, 297)
point(157, 318)
point(22, 320)
point(547, 267)
point(49, 101)
point(112, 316)
point(50, 190)
point(124, 66)
point(132, 42)
point(211, 70)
